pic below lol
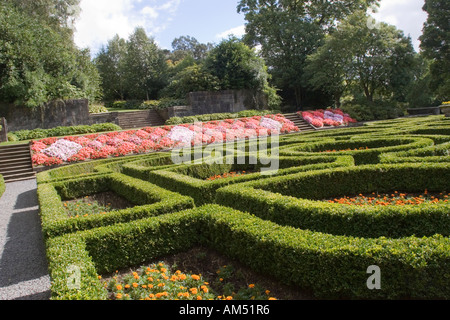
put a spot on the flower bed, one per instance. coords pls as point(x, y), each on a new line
point(52, 151)
point(327, 118)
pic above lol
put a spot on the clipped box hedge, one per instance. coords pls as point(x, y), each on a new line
point(295, 200)
point(191, 180)
point(375, 146)
point(150, 200)
point(331, 266)
point(91, 168)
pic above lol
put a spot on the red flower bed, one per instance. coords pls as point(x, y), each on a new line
point(70, 149)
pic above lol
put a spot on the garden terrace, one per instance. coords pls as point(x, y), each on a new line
point(280, 225)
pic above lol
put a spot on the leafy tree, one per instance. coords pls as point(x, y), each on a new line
point(236, 66)
point(378, 60)
point(38, 63)
point(435, 43)
point(59, 14)
point(189, 46)
point(110, 63)
point(145, 66)
point(287, 31)
point(192, 78)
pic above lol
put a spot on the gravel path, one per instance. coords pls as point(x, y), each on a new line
point(23, 265)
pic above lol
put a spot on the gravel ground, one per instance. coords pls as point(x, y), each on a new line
point(23, 265)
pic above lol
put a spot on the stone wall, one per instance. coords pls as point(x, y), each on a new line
point(51, 115)
point(205, 102)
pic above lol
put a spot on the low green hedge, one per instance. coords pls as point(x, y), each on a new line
point(376, 147)
point(217, 116)
point(295, 200)
point(95, 167)
point(2, 185)
point(436, 153)
point(150, 200)
point(64, 131)
point(331, 266)
point(190, 180)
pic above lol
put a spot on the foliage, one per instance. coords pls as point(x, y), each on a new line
point(133, 69)
point(40, 62)
point(288, 31)
point(191, 79)
point(378, 61)
point(435, 45)
point(63, 131)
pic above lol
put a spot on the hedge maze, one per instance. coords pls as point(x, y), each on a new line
point(284, 224)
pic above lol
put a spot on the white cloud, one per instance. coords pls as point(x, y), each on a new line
point(238, 32)
point(101, 20)
point(406, 15)
point(151, 12)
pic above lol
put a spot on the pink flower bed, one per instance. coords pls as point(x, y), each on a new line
point(327, 118)
point(53, 151)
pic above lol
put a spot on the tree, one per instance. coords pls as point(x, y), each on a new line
point(287, 31)
point(38, 63)
point(435, 43)
point(145, 66)
point(378, 60)
point(190, 79)
point(110, 63)
point(59, 14)
point(186, 45)
point(236, 66)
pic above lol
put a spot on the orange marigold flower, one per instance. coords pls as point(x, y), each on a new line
point(193, 290)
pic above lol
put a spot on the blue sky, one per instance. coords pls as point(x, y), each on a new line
point(205, 20)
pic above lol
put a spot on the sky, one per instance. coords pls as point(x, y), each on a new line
point(206, 20)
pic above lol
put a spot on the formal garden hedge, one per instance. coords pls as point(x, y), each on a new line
point(284, 223)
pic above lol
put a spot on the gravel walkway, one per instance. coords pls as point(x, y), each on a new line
point(23, 265)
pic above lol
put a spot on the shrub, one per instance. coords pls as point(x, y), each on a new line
point(191, 180)
point(332, 266)
point(149, 200)
point(296, 200)
point(64, 131)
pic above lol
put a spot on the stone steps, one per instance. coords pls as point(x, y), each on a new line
point(15, 163)
point(140, 119)
point(299, 122)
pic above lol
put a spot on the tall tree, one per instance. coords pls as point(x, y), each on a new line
point(236, 66)
point(38, 63)
point(379, 60)
point(289, 30)
point(187, 45)
point(110, 63)
point(435, 43)
point(145, 66)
